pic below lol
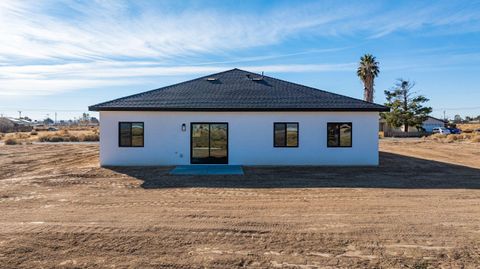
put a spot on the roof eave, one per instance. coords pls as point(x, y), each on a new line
point(379, 109)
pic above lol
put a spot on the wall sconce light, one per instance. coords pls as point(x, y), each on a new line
point(184, 127)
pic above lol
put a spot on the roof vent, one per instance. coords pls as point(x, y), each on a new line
point(212, 79)
point(255, 78)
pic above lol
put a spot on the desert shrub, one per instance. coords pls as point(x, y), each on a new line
point(90, 138)
point(11, 141)
point(438, 137)
point(464, 136)
point(73, 138)
point(452, 137)
point(62, 136)
point(63, 132)
point(56, 138)
point(33, 133)
point(1, 136)
point(51, 138)
point(420, 265)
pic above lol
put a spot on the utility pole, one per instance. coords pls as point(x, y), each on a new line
point(19, 114)
point(55, 118)
point(444, 118)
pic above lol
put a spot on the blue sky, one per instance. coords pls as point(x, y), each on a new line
point(61, 56)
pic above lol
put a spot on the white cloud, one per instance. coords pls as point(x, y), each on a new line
point(29, 87)
point(52, 79)
point(108, 31)
point(48, 47)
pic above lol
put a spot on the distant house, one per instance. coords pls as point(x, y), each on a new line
point(427, 126)
point(8, 125)
point(238, 117)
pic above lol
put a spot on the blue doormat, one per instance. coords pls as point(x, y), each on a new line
point(207, 170)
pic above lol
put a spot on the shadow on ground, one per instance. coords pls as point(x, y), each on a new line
point(395, 171)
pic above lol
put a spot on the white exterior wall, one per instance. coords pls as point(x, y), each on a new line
point(250, 138)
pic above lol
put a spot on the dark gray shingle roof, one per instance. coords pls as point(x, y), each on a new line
point(237, 90)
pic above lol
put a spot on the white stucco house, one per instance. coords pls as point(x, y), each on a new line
point(240, 118)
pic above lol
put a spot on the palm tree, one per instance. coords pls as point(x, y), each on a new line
point(367, 72)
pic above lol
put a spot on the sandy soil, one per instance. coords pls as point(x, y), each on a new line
point(420, 208)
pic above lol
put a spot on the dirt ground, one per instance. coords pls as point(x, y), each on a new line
point(419, 209)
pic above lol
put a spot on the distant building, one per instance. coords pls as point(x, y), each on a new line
point(427, 126)
point(8, 125)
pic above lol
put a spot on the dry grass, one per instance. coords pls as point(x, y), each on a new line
point(464, 137)
point(467, 127)
point(68, 136)
point(63, 135)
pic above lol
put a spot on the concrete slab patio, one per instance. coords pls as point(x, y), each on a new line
point(207, 170)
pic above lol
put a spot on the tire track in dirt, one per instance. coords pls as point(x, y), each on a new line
point(59, 209)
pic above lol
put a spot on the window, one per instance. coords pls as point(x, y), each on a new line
point(130, 134)
point(285, 134)
point(339, 134)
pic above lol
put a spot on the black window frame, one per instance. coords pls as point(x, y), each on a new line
point(131, 136)
point(286, 132)
point(351, 135)
point(209, 141)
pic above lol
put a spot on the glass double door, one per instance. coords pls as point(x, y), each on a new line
point(209, 143)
